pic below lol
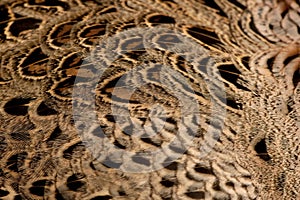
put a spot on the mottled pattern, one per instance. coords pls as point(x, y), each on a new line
point(213, 85)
